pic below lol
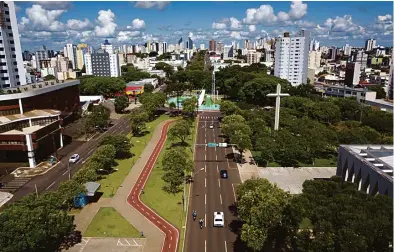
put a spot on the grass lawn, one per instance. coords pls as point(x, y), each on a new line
point(111, 183)
point(168, 206)
point(109, 223)
point(319, 162)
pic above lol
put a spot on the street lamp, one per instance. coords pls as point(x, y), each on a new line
point(184, 189)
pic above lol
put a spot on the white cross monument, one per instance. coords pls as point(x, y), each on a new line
point(278, 94)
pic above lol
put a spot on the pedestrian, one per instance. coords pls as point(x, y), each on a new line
point(142, 190)
point(142, 234)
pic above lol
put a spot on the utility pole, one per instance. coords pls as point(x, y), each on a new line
point(69, 170)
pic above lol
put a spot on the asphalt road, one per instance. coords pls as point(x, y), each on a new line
point(171, 233)
point(52, 179)
point(210, 193)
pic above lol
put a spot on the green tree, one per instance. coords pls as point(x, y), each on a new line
point(105, 154)
point(152, 101)
point(169, 70)
point(121, 102)
point(68, 190)
point(99, 117)
point(121, 143)
point(229, 108)
point(148, 88)
point(189, 106)
point(172, 106)
point(228, 123)
point(36, 224)
point(153, 54)
point(241, 138)
point(49, 77)
point(175, 163)
point(138, 119)
point(181, 131)
point(105, 86)
point(326, 112)
point(263, 207)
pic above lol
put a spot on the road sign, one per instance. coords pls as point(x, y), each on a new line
point(211, 144)
point(222, 145)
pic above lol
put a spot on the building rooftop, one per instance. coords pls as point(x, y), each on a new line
point(29, 115)
point(379, 157)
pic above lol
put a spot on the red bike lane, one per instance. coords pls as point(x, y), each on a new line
point(171, 233)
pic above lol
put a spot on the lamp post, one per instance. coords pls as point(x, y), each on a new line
point(184, 189)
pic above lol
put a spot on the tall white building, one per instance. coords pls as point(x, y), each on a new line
point(202, 47)
point(228, 52)
point(253, 57)
point(88, 63)
point(314, 59)
point(291, 57)
point(12, 72)
point(106, 46)
point(370, 44)
point(70, 51)
point(347, 50)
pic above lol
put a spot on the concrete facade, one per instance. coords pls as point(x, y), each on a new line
point(369, 167)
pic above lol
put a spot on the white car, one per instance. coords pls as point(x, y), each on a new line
point(74, 158)
point(211, 126)
point(218, 219)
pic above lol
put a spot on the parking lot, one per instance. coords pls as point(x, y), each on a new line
point(93, 244)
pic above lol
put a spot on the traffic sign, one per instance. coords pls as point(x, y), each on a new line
point(222, 145)
point(212, 145)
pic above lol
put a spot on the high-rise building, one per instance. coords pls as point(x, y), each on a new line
point(108, 47)
point(291, 57)
point(391, 78)
point(332, 53)
point(253, 57)
point(361, 57)
point(370, 44)
point(26, 56)
point(41, 54)
point(101, 63)
point(190, 47)
point(219, 47)
point(81, 50)
point(212, 45)
point(202, 47)
point(228, 52)
point(12, 72)
point(247, 44)
point(180, 44)
point(352, 74)
point(164, 44)
point(347, 50)
point(71, 49)
point(314, 59)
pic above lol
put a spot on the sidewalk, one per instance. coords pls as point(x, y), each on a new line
point(248, 169)
point(154, 237)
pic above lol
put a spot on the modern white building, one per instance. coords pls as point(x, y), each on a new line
point(314, 59)
point(228, 52)
point(202, 47)
point(347, 50)
point(370, 44)
point(114, 65)
point(70, 51)
point(253, 57)
point(12, 73)
point(352, 74)
point(81, 50)
point(291, 57)
point(106, 46)
point(88, 63)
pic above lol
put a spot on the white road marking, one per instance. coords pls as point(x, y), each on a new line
point(205, 219)
point(50, 185)
point(205, 245)
point(221, 203)
point(205, 199)
point(216, 157)
point(225, 246)
point(122, 131)
point(90, 151)
point(205, 156)
point(235, 198)
point(217, 168)
point(205, 168)
point(205, 182)
point(219, 182)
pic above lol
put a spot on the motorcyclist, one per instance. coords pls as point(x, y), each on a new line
point(201, 223)
point(194, 215)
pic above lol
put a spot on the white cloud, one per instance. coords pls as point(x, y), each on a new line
point(44, 19)
point(219, 26)
point(305, 24)
point(252, 28)
point(75, 24)
point(138, 24)
point(55, 5)
point(151, 4)
point(298, 10)
point(236, 35)
point(264, 15)
point(127, 35)
point(342, 24)
point(235, 24)
point(385, 19)
point(107, 25)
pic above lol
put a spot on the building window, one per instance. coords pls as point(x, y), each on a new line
point(16, 69)
point(3, 64)
point(12, 42)
point(5, 78)
point(2, 56)
point(1, 48)
point(13, 49)
point(18, 83)
point(11, 35)
point(14, 56)
point(8, 20)
point(14, 63)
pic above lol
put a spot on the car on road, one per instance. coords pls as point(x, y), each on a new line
point(218, 219)
point(211, 126)
point(74, 158)
point(223, 174)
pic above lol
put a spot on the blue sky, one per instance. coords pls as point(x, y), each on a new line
point(332, 23)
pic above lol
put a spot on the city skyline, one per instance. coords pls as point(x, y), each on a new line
point(55, 24)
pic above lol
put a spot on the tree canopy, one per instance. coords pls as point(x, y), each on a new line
point(105, 86)
point(121, 102)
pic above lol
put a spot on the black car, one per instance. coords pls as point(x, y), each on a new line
point(223, 174)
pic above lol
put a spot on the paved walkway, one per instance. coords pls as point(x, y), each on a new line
point(154, 236)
